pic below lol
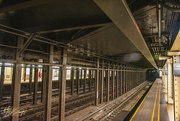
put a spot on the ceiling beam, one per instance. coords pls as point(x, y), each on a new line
point(176, 44)
point(24, 5)
point(119, 12)
point(73, 28)
point(26, 44)
point(94, 32)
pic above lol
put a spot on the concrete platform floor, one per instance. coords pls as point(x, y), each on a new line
point(152, 108)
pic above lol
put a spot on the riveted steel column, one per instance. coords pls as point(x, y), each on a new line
point(77, 80)
point(85, 73)
point(121, 80)
point(49, 87)
point(97, 83)
point(130, 79)
point(81, 79)
point(35, 86)
point(30, 79)
point(72, 81)
point(107, 82)
point(24, 73)
point(17, 82)
point(62, 87)
point(2, 81)
point(127, 79)
point(113, 79)
point(165, 79)
point(44, 82)
point(170, 81)
point(102, 82)
point(90, 80)
point(117, 82)
point(176, 90)
point(124, 80)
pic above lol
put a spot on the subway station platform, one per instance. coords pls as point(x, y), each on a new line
point(154, 106)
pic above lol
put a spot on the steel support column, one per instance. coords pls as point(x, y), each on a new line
point(62, 87)
point(81, 79)
point(2, 81)
point(113, 79)
point(30, 79)
point(25, 73)
point(124, 80)
point(72, 81)
point(85, 73)
point(44, 83)
point(176, 89)
point(77, 80)
point(17, 83)
point(90, 82)
point(117, 82)
point(49, 87)
point(121, 81)
point(107, 83)
point(35, 85)
point(130, 79)
point(97, 83)
point(127, 79)
point(165, 79)
point(132, 76)
point(102, 82)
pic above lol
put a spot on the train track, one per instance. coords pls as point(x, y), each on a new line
point(25, 98)
point(113, 107)
point(72, 105)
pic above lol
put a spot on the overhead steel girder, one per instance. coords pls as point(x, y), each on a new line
point(119, 12)
point(176, 44)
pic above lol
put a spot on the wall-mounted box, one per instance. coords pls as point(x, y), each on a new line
point(166, 72)
point(176, 69)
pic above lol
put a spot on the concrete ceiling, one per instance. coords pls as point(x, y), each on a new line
point(109, 42)
point(84, 24)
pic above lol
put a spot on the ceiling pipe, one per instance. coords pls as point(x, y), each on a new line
point(167, 6)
